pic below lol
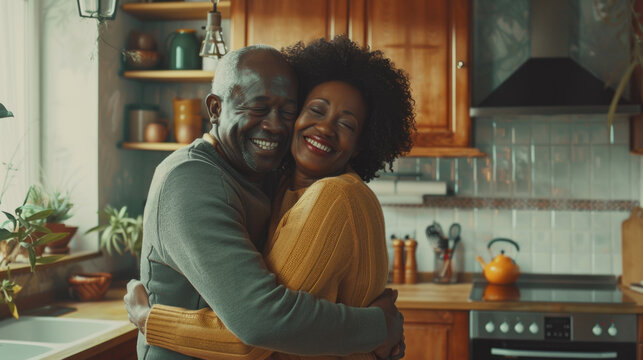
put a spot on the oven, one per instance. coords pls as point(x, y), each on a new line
point(536, 336)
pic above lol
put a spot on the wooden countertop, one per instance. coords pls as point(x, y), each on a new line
point(428, 295)
point(424, 295)
point(110, 308)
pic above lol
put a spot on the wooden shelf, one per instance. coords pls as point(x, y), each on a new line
point(178, 10)
point(152, 146)
point(170, 75)
point(445, 152)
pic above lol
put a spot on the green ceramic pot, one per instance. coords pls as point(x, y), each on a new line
point(184, 50)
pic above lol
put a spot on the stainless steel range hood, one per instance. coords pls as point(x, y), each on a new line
point(550, 82)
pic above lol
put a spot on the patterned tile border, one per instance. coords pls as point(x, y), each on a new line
point(525, 204)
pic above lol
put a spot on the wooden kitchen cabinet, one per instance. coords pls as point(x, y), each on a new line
point(431, 40)
point(427, 38)
point(436, 335)
point(284, 22)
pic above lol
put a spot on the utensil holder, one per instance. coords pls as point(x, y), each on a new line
point(444, 269)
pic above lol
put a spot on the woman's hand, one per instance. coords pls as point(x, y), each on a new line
point(137, 304)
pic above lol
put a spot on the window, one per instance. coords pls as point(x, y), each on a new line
point(19, 92)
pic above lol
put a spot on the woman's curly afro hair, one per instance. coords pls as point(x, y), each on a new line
point(390, 122)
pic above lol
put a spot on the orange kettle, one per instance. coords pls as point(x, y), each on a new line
point(502, 269)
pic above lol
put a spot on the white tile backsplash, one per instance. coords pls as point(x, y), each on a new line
point(560, 157)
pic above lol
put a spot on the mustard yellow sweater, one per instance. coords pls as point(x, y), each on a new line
point(327, 239)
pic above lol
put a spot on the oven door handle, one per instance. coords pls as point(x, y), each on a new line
point(554, 354)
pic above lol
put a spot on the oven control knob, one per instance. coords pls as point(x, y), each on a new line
point(612, 330)
point(597, 330)
point(490, 327)
point(533, 328)
point(519, 328)
point(504, 327)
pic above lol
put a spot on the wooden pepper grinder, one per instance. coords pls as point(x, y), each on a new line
point(398, 260)
point(411, 267)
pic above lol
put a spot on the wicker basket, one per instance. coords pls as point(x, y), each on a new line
point(90, 286)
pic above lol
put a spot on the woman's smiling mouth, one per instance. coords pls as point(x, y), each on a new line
point(317, 146)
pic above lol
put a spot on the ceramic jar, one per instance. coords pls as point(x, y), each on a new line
point(184, 50)
point(187, 119)
point(139, 115)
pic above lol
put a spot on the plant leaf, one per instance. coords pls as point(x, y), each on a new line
point(49, 238)
point(13, 310)
point(32, 258)
point(96, 228)
point(11, 218)
point(40, 215)
point(48, 259)
point(16, 288)
point(6, 234)
point(41, 228)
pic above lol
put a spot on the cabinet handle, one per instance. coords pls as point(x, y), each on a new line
point(460, 64)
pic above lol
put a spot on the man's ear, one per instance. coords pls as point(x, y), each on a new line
point(213, 104)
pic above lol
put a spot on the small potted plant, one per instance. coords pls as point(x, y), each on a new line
point(43, 198)
point(122, 233)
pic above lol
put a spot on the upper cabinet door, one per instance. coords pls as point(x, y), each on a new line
point(284, 22)
point(429, 39)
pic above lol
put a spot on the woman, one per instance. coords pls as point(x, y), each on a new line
point(326, 233)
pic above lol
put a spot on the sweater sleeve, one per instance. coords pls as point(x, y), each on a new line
point(212, 249)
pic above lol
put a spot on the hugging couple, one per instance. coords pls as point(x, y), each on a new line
point(261, 238)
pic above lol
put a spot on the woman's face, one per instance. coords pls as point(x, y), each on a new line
point(326, 132)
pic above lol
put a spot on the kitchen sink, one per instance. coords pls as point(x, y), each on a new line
point(37, 336)
point(17, 350)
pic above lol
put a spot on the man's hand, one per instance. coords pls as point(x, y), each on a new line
point(137, 304)
point(394, 326)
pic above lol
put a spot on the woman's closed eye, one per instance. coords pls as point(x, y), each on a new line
point(347, 124)
point(317, 110)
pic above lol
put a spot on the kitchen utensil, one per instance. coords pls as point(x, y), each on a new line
point(444, 266)
point(184, 50)
point(632, 247)
point(502, 269)
point(454, 235)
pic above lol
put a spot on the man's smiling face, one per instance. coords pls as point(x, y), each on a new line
point(256, 120)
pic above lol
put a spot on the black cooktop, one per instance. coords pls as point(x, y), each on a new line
point(588, 289)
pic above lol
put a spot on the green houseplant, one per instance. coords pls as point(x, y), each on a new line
point(42, 197)
point(122, 233)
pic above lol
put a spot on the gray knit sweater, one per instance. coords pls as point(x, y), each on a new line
point(203, 222)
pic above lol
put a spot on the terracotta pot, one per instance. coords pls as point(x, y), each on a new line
point(155, 132)
point(60, 246)
point(89, 286)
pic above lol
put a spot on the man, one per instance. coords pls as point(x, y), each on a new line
point(206, 214)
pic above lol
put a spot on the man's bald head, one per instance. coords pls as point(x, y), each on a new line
point(228, 69)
